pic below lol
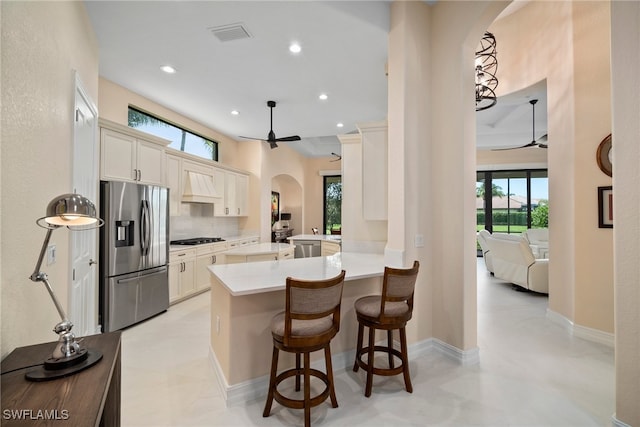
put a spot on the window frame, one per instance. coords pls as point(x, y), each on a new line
point(487, 177)
point(215, 152)
point(325, 178)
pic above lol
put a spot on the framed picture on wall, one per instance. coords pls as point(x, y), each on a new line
point(275, 207)
point(605, 207)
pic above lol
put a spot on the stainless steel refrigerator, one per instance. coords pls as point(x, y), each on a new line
point(134, 252)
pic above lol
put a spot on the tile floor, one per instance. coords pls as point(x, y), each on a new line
point(531, 373)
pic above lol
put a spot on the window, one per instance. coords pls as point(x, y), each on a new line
point(519, 200)
point(332, 203)
point(181, 139)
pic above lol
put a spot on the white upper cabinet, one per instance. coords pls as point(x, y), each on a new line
point(374, 170)
point(233, 187)
point(130, 155)
point(220, 208)
point(242, 194)
point(174, 183)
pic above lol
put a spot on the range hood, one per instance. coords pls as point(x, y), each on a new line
point(199, 188)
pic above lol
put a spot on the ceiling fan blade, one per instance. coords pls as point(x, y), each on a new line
point(534, 142)
point(251, 137)
point(531, 144)
point(288, 138)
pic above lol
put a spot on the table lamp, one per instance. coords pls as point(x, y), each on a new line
point(69, 357)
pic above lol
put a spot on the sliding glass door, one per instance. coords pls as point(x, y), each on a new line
point(512, 201)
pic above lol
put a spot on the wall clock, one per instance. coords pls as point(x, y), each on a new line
point(603, 156)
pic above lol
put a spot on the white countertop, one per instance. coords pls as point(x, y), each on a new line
point(259, 249)
point(267, 276)
point(332, 237)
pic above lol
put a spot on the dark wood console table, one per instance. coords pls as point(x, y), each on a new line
point(87, 398)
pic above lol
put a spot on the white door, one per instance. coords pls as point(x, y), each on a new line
point(83, 295)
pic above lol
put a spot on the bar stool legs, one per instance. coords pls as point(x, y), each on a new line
point(386, 312)
point(304, 370)
point(391, 352)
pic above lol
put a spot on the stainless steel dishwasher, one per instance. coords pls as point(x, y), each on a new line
point(306, 248)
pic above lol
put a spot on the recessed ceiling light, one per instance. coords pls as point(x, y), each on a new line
point(323, 96)
point(295, 48)
point(168, 69)
point(235, 112)
point(340, 125)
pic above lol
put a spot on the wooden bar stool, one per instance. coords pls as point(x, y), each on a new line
point(310, 320)
point(389, 311)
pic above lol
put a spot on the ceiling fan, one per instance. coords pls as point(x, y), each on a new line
point(271, 138)
point(540, 142)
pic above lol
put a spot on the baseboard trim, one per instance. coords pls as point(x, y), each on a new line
point(255, 389)
point(464, 357)
point(583, 332)
point(617, 423)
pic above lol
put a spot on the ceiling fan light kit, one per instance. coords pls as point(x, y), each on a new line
point(271, 137)
point(486, 69)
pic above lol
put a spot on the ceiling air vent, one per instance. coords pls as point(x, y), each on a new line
point(227, 33)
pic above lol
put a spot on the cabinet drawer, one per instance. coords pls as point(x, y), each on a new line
point(211, 248)
point(182, 255)
point(288, 254)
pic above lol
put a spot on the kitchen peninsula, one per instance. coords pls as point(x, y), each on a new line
point(244, 298)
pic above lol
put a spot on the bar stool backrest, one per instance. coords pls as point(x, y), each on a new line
point(398, 286)
point(308, 300)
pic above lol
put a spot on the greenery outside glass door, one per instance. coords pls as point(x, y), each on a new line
point(518, 200)
point(332, 203)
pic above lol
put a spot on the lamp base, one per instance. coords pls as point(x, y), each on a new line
point(64, 366)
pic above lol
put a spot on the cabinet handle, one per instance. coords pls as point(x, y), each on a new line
point(135, 174)
point(226, 211)
point(238, 211)
point(139, 175)
point(213, 259)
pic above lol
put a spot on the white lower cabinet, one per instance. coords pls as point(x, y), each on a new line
point(182, 267)
point(207, 255)
point(188, 270)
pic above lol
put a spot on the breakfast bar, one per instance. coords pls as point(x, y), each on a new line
point(244, 298)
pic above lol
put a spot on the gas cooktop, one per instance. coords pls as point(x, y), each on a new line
point(197, 241)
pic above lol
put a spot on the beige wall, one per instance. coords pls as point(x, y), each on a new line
point(571, 45)
point(42, 44)
point(432, 159)
point(115, 101)
point(626, 175)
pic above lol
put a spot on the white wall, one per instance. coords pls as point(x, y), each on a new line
point(42, 44)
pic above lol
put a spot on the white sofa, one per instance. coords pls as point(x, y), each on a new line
point(538, 239)
point(513, 261)
point(484, 237)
